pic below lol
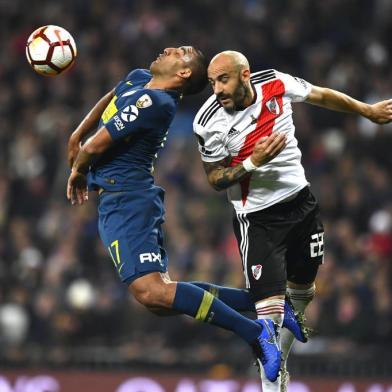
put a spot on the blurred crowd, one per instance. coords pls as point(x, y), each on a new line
point(60, 299)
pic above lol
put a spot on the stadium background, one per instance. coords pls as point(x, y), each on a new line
point(61, 305)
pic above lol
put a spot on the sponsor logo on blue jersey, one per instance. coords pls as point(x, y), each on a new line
point(118, 123)
point(150, 257)
point(129, 113)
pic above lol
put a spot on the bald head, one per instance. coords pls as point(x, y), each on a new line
point(229, 76)
point(230, 58)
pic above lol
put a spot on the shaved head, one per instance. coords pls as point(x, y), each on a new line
point(235, 59)
point(229, 76)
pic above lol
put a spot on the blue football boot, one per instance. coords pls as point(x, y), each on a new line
point(295, 322)
point(267, 350)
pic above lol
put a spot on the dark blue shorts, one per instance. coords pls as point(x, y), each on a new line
point(130, 228)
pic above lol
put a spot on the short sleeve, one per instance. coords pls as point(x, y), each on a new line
point(211, 146)
point(143, 110)
point(296, 89)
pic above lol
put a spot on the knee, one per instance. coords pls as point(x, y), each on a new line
point(146, 297)
point(153, 291)
point(153, 297)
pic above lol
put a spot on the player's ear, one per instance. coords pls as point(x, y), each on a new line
point(245, 74)
point(184, 73)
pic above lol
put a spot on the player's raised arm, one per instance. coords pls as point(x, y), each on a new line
point(221, 176)
point(380, 112)
point(87, 125)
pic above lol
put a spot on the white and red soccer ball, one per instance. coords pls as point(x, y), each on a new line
point(50, 50)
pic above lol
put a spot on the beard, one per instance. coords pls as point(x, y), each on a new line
point(240, 97)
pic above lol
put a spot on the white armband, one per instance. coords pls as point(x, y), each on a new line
point(249, 166)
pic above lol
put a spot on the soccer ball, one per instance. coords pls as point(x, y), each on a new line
point(50, 50)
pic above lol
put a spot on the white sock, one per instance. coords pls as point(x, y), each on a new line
point(300, 300)
point(272, 309)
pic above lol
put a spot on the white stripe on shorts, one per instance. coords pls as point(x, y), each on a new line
point(244, 245)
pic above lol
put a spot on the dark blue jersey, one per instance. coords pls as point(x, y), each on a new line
point(137, 119)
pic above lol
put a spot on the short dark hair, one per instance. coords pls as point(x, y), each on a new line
point(199, 79)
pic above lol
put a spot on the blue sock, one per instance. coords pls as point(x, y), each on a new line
point(237, 299)
point(203, 306)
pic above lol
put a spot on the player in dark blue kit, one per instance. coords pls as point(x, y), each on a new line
point(117, 162)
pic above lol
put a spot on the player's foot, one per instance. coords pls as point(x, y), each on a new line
point(284, 379)
point(267, 350)
point(295, 322)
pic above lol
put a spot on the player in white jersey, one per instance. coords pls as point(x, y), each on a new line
point(277, 223)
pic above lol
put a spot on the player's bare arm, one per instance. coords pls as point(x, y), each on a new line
point(88, 153)
point(221, 176)
point(86, 126)
point(380, 112)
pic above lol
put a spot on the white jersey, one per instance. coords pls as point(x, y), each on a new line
point(223, 134)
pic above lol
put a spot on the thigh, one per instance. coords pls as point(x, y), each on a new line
point(130, 229)
point(262, 247)
point(306, 250)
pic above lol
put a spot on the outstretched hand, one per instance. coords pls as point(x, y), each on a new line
point(381, 112)
point(268, 147)
point(77, 188)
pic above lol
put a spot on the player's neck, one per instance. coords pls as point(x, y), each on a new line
point(250, 97)
point(160, 84)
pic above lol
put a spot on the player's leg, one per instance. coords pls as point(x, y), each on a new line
point(154, 292)
point(238, 299)
point(300, 296)
point(303, 259)
point(262, 247)
point(241, 300)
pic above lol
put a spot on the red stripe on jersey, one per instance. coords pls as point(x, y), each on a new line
point(272, 311)
point(266, 308)
point(265, 124)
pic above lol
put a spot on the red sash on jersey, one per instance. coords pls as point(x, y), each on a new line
point(265, 124)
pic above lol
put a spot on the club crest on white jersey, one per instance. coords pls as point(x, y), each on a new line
point(273, 107)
